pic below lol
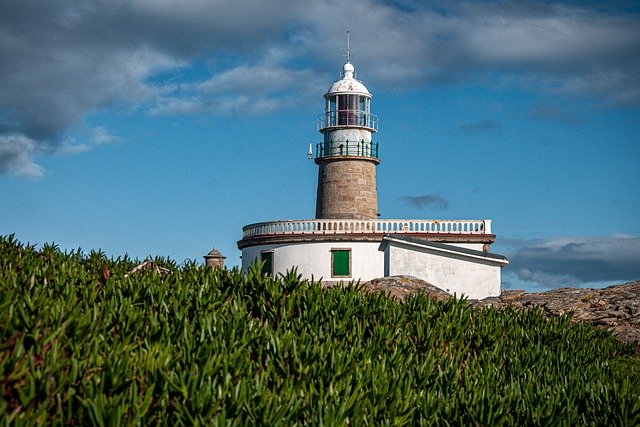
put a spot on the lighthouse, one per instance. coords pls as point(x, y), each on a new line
point(347, 241)
point(347, 157)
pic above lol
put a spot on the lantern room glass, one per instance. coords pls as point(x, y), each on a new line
point(347, 110)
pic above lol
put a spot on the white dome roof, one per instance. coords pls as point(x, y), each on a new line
point(348, 84)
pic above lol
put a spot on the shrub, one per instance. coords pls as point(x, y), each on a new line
point(80, 343)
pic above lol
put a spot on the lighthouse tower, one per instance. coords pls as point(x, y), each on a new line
point(347, 157)
point(347, 241)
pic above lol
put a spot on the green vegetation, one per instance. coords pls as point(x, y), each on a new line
point(82, 344)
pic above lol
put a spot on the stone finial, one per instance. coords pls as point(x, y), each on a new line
point(214, 259)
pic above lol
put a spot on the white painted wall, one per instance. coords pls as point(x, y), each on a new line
point(475, 278)
point(457, 275)
point(354, 135)
point(474, 246)
point(314, 259)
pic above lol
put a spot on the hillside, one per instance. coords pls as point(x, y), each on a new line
point(85, 341)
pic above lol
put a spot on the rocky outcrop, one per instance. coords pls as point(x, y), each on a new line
point(616, 308)
point(402, 286)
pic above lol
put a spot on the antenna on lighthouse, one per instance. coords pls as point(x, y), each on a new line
point(348, 55)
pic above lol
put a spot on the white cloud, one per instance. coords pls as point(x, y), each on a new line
point(247, 89)
point(174, 105)
point(432, 201)
point(78, 57)
point(89, 138)
point(17, 151)
point(261, 79)
point(616, 87)
point(575, 260)
point(547, 279)
point(558, 36)
point(16, 157)
point(101, 136)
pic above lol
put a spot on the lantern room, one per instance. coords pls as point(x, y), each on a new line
point(347, 123)
point(348, 103)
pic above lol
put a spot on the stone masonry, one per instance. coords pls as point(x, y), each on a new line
point(347, 188)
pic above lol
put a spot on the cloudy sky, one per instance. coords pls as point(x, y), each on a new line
point(158, 127)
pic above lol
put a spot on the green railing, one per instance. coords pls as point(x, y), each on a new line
point(347, 148)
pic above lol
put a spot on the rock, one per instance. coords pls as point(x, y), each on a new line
point(615, 308)
point(401, 286)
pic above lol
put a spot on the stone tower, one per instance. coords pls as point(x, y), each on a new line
point(214, 259)
point(347, 157)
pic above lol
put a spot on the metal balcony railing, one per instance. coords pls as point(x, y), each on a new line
point(347, 118)
point(347, 148)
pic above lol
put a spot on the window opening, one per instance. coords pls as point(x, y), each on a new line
point(331, 114)
point(341, 263)
point(342, 109)
point(362, 113)
point(267, 259)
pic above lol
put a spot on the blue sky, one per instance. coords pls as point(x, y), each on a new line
point(162, 127)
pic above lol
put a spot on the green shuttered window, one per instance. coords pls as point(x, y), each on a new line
point(340, 263)
point(267, 259)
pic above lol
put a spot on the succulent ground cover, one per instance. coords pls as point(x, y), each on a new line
point(80, 344)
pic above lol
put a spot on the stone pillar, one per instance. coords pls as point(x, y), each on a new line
point(214, 259)
point(347, 188)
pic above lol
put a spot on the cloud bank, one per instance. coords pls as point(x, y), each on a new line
point(482, 127)
point(61, 61)
point(432, 201)
point(573, 261)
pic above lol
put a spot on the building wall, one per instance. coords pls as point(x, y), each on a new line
point(314, 259)
point(474, 246)
point(457, 275)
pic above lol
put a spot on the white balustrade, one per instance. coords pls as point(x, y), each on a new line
point(355, 226)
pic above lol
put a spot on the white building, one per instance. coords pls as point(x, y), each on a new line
point(347, 241)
